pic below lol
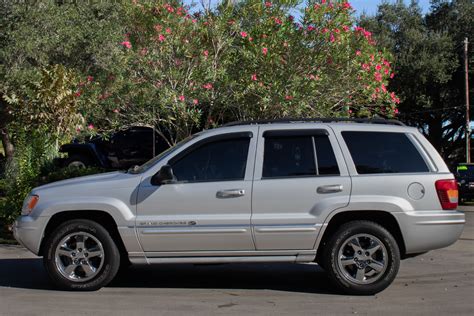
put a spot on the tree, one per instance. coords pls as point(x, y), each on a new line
point(428, 63)
point(41, 34)
point(250, 60)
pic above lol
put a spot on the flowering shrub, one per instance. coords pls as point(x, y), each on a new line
point(181, 71)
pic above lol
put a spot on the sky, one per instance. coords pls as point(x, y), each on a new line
point(367, 6)
point(370, 6)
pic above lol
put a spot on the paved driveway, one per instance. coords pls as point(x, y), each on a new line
point(439, 282)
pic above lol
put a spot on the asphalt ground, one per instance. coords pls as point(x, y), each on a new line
point(436, 283)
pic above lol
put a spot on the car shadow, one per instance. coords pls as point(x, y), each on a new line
point(304, 278)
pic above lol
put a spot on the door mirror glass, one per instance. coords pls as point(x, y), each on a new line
point(164, 176)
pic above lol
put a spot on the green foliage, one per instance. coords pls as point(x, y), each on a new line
point(48, 103)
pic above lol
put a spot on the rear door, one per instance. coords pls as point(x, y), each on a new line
point(299, 175)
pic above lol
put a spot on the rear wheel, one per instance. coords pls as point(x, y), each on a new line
point(362, 258)
point(81, 255)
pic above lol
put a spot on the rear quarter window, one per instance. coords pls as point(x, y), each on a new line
point(383, 152)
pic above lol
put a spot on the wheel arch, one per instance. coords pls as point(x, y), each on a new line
point(383, 218)
point(101, 217)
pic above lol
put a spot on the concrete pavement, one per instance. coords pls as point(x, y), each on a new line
point(439, 282)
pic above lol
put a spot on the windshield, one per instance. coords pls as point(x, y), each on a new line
point(147, 165)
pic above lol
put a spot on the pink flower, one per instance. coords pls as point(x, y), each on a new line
point(161, 38)
point(77, 94)
point(194, 20)
point(396, 111)
point(346, 5)
point(264, 51)
point(181, 98)
point(288, 97)
point(126, 44)
point(116, 110)
point(337, 31)
point(90, 126)
point(254, 77)
point(278, 21)
point(345, 28)
point(90, 78)
point(332, 38)
point(323, 1)
point(243, 34)
point(378, 76)
point(205, 53)
point(358, 53)
point(392, 75)
point(311, 28)
point(366, 67)
point(378, 67)
point(195, 101)
point(168, 30)
point(268, 4)
point(207, 86)
point(325, 30)
point(143, 51)
point(384, 88)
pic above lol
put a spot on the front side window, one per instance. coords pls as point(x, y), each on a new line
point(223, 160)
point(298, 156)
point(383, 152)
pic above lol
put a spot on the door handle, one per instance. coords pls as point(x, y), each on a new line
point(227, 194)
point(334, 188)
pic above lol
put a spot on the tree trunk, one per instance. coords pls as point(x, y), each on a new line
point(7, 144)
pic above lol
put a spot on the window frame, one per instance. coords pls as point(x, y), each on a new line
point(208, 140)
point(312, 133)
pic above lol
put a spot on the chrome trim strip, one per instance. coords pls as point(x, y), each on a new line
point(158, 231)
point(443, 222)
point(285, 229)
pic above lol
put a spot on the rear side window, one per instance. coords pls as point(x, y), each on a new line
point(383, 152)
point(298, 156)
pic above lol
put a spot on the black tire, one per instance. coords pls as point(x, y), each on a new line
point(78, 161)
point(110, 260)
point(338, 272)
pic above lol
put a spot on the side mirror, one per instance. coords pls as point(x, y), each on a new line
point(164, 176)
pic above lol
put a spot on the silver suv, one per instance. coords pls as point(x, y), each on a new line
point(354, 196)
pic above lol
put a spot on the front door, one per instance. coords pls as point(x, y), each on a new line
point(208, 208)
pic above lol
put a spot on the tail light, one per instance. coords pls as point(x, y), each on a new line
point(447, 193)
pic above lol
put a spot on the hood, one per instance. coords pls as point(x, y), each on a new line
point(109, 180)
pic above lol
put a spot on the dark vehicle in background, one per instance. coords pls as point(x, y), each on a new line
point(465, 177)
point(122, 150)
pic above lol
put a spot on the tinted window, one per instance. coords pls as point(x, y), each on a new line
point(383, 152)
point(327, 164)
point(218, 161)
point(288, 157)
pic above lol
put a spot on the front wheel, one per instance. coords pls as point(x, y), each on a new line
point(81, 255)
point(362, 258)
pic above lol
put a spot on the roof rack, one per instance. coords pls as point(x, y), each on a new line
point(319, 120)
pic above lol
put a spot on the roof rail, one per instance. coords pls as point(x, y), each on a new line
point(319, 120)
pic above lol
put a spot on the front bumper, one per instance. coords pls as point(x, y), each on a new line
point(427, 230)
point(28, 231)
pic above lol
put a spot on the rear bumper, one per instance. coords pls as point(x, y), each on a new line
point(28, 231)
point(427, 230)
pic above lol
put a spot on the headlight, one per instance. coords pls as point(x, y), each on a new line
point(29, 204)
